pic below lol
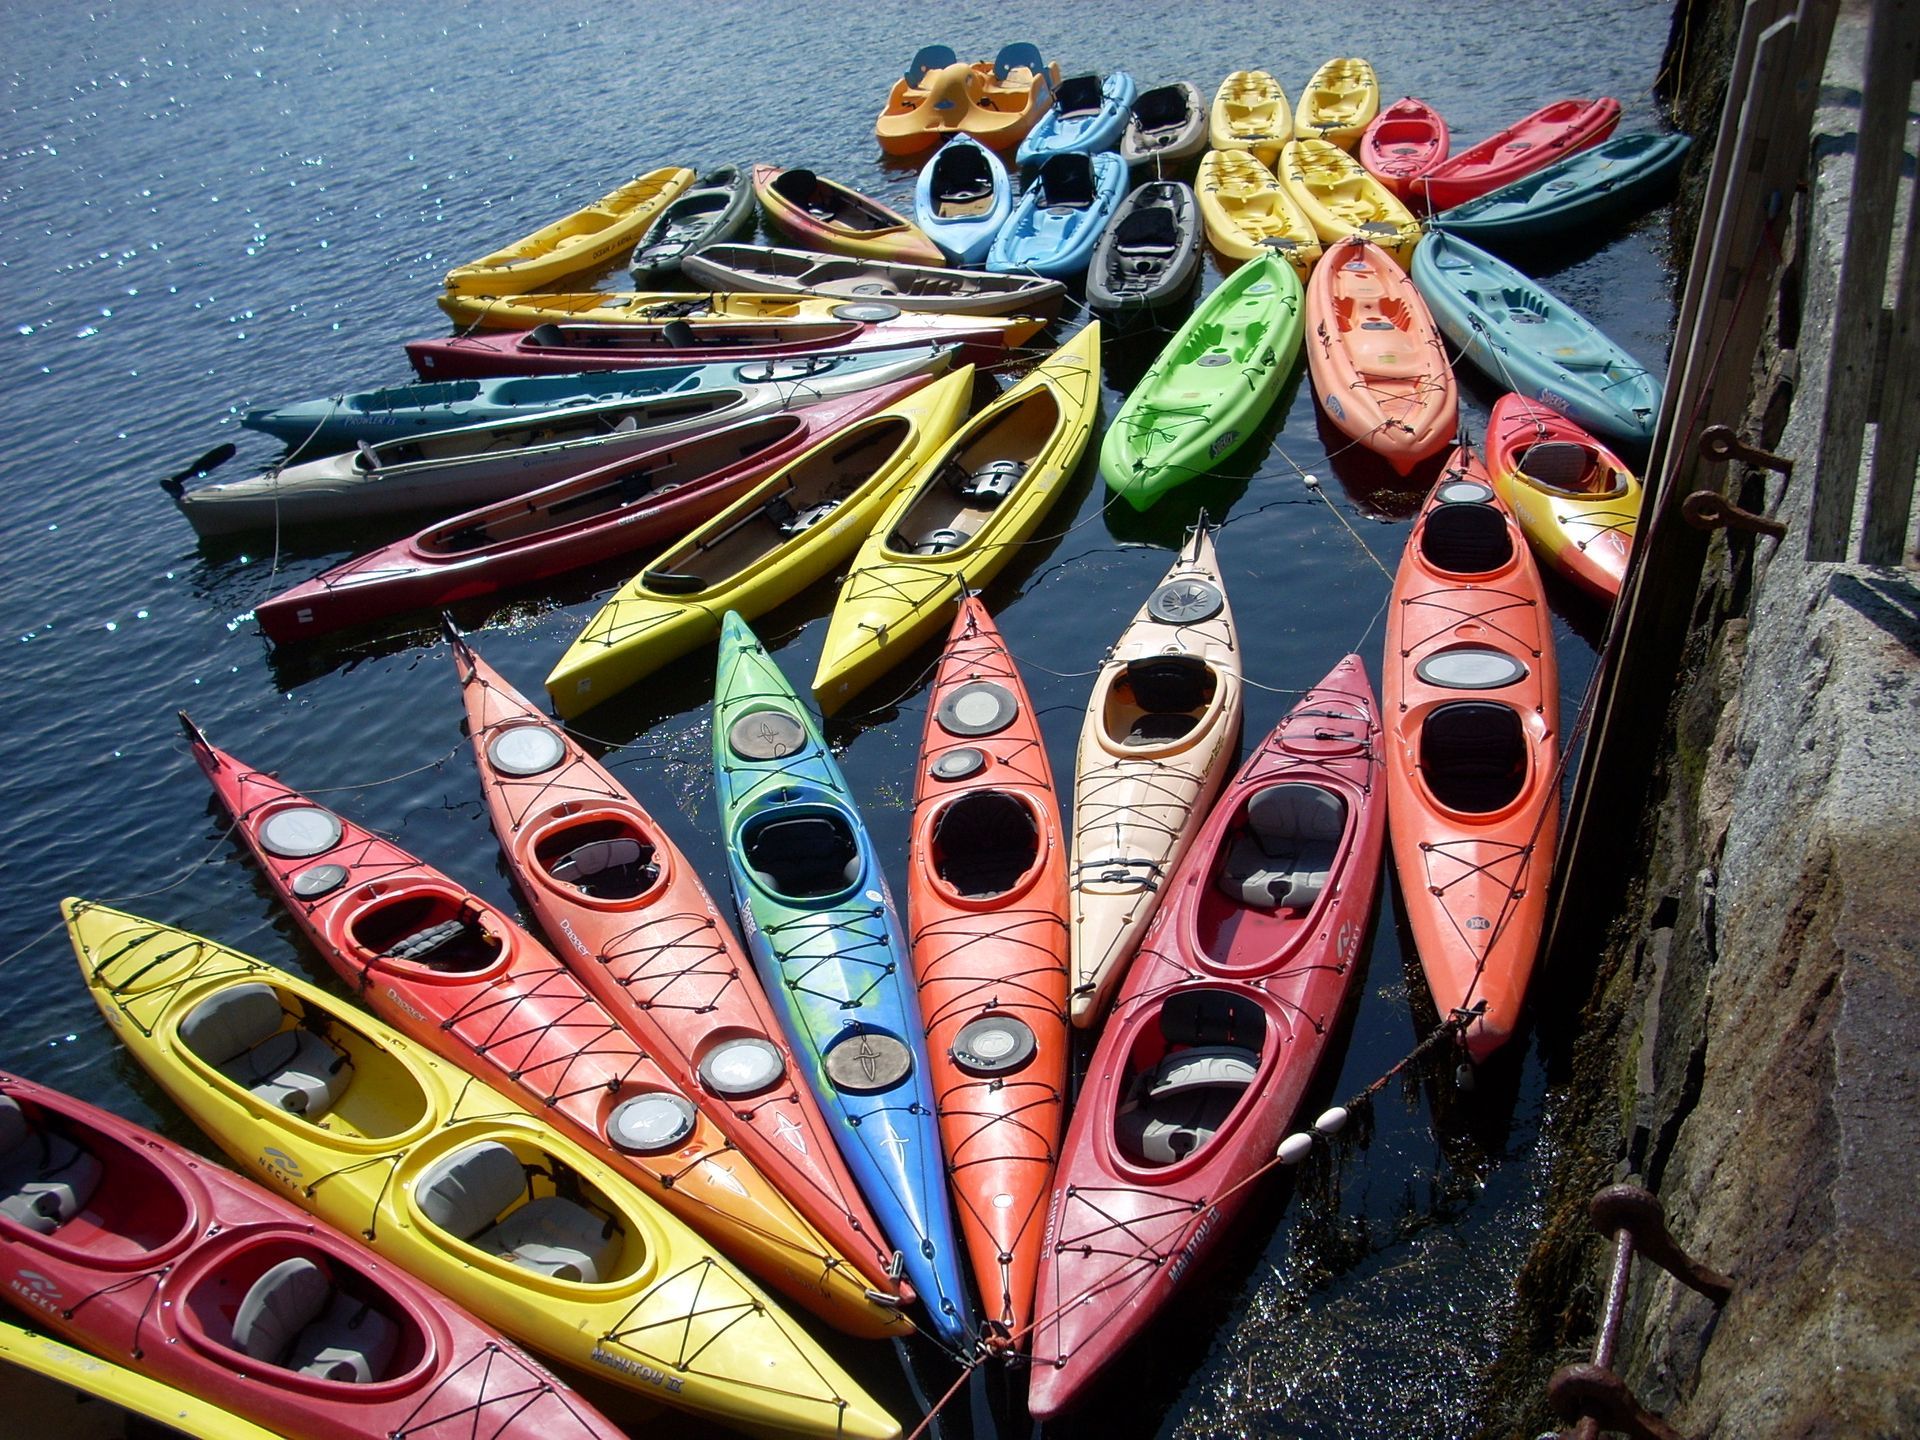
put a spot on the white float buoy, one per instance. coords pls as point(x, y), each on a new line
point(1295, 1148)
point(1332, 1122)
point(1311, 481)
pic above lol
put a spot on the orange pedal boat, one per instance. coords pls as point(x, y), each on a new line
point(1575, 498)
point(1472, 703)
point(1378, 363)
point(987, 915)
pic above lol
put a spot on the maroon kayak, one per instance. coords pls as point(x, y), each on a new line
point(633, 504)
point(554, 349)
point(151, 1257)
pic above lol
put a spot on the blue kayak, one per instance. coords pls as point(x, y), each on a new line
point(1088, 115)
point(962, 198)
point(1059, 220)
point(1533, 343)
point(826, 939)
point(1615, 180)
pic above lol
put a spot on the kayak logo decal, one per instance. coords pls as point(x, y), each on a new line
point(1192, 1247)
point(634, 1368)
point(786, 1128)
point(401, 1001)
point(1223, 442)
point(283, 1167)
point(36, 1289)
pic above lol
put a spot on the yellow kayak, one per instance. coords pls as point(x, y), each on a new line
point(1341, 199)
point(1247, 211)
point(962, 516)
point(604, 233)
point(787, 532)
point(524, 312)
point(50, 1397)
point(450, 1180)
point(1250, 113)
point(1338, 104)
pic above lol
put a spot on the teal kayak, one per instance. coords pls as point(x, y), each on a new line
point(1532, 342)
point(1615, 180)
point(826, 938)
point(1211, 386)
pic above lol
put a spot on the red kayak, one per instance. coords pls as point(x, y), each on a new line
point(784, 345)
point(636, 503)
point(987, 914)
point(640, 931)
point(455, 975)
point(1472, 702)
point(1226, 1015)
point(1551, 133)
point(1404, 142)
point(160, 1261)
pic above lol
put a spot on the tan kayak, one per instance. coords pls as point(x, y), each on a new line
point(1160, 737)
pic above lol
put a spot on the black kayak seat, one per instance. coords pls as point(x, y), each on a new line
point(1473, 755)
point(1466, 538)
point(547, 333)
point(1079, 95)
point(796, 185)
point(803, 856)
point(1161, 107)
point(1067, 180)
point(1147, 229)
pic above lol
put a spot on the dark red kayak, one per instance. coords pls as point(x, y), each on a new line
point(1225, 1016)
point(163, 1262)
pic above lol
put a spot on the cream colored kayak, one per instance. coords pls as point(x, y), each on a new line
point(603, 233)
point(961, 519)
point(1338, 104)
point(1161, 736)
point(1250, 113)
point(524, 312)
point(1342, 199)
point(1246, 210)
point(780, 537)
point(452, 1181)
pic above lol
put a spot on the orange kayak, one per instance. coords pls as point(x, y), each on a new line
point(1575, 498)
point(632, 920)
point(987, 914)
point(461, 979)
point(1377, 360)
point(1471, 698)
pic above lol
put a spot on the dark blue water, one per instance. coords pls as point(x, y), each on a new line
point(206, 208)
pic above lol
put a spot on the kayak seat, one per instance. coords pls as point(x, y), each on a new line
point(1466, 538)
point(1180, 1104)
point(928, 58)
point(1569, 468)
point(1286, 853)
point(795, 185)
point(1473, 755)
point(616, 869)
point(802, 857)
point(988, 485)
point(292, 1316)
point(238, 1033)
point(1067, 181)
point(1171, 692)
point(679, 335)
point(45, 1179)
point(940, 541)
point(1147, 232)
point(545, 334)
point(789, 521)
point(1161, 107)
point(468, 1195)
point(1078, 95)
point(984, 843)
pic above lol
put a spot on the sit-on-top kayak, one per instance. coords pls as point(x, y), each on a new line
point(1377, 360)
point(1618, 178)
point(836, 279)
point(1472, 702)
point(1403, 142)
point(1149, 254)
point(960, 519)
point(603, 233)
point(1089, 115)
point(1168, 128)
point(1160, 735)
point(1534, 343)
point(962, 198)
point(1576, 500)
point(1550, 133)
point(1250, 113)
point(1210, 388)
point(188, 1281)
point(622, 307)
point(1247, 211)
point(987, 913)
point(717, 206)
point(448, 1179)
point(1341, 199)
point(1056, 223)
point(1339, 102)
point(1230, 1009)
point(823, 214)
point(437, 962)
point(629, 916)
point(827, 942)
point(780, 537)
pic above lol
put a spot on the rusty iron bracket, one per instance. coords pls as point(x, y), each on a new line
point(1709, 510)
point(1593, 1393)
point(1719, 443)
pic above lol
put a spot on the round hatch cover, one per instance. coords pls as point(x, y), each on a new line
point(743, 1066)
point(868, 1061)
point(1214, 357)
point(1464, 492)
point(993, 1045)
point(958, 763)
point(526, 750)
point(317, 880)
point(868, 312)
point(977, 708)
point(651, 1122)
point(766, 735)
point(300, 831)
point(1185, 602)
point(1471, 667)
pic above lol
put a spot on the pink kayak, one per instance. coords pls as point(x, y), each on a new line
point(1404, 142)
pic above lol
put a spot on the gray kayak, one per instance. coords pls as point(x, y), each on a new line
point(717, 206)
point(1149, 253)
point(1168, 128)
point(926, 288)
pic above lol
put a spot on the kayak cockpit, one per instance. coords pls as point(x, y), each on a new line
point(434, 929)
point(600, 856)
point(986, 844)
point(84, 1190)
point(975, 480)
point(1474, 756)
point(1566, 467)
point(1272, 868)
point(804, 853)
point(1466, 534)
point(1158, 701)
point(522, 1205)
point(1188, 1076)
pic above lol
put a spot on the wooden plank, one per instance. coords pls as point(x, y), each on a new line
point(1880, 147)
point(1896, 440)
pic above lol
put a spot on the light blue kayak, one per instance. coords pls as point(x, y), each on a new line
point(1533, 343)
point(1615, 180)
point(962, 198)
point(1088, 115)
point(1060, 219)
point(825, 936)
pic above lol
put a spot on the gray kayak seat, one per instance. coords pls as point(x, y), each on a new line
point(1287, 850)
point(803, 857)
point(1566, 466)
point(1177, 1106)
point(45, 1179)
point(467, 1195)
point(614, 869)
point(292, 1316)
point(1172, 691)
point(238, 1033)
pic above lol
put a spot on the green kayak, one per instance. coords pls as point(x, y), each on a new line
point(1210, 387)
